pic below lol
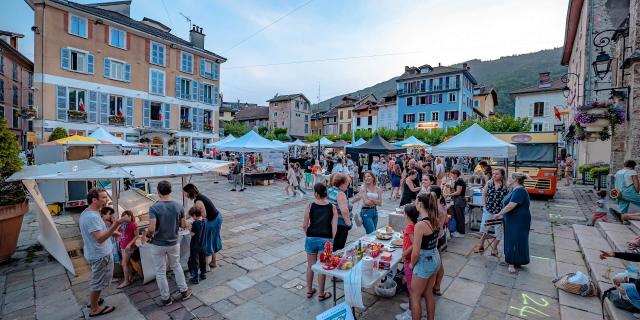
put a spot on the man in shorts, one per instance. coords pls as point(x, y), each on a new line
point(98, 249)
point(166, 217)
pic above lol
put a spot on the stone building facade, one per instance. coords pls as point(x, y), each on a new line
point(293, 112)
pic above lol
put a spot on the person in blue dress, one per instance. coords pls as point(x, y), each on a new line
point(517, 222)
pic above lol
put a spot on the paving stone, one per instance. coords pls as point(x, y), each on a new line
point(563, 232)
point(264, 273)
point(181, 314)
point(566, 244)
point(564, 268)
point(19, 299)
point(571, 313)
point(593, 257)
point(249, 263)
point(502, 279)
point(266, 286)
point(464, 291)
point(475, 273)
point(52, 285)
point(452, 310)
point(495, 291)
point(453, 263)
point(203, 311)
point(494, 304)
point(223, 306)
point(124, 308)
point(249, 294)
point(157, 315)
point(265, 258)
point(210, 295)
point(279, 301)
point(485, 314)
point(62, 305)
point(289, 274)
point(241, 283)
point(541, 266)
point(22, 314)
point(571, 257)
point(192, 303)
point(530, 305)
point(47, 271)
point(250, 310)
point(588, 304)
point(536, 283)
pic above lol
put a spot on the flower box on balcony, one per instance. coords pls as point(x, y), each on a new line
point(208, 127)
point(77, 115)
point(116, 119)
point(185, 125)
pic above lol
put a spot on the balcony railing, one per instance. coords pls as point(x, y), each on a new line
point(76, 116)
point(186, 126)
point(157, 124)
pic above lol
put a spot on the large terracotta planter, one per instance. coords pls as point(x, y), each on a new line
point(10, 224)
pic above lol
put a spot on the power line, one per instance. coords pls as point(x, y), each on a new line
point(268, 25)
point(167, 12)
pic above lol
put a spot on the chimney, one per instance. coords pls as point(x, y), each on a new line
point(544, 80)
point(196, 36)
point(407, 68)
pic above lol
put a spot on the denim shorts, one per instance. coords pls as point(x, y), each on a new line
point(428, 263)
point(314, 245)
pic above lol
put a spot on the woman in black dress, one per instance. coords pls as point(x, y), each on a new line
point(213, 242)
point(459, 201)
point(517, 222)
point(410, 188)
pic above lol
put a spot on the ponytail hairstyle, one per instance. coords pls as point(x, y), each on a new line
point(430, 205)
point(438, 192)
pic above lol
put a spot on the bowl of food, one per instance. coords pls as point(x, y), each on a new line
point(384, 236)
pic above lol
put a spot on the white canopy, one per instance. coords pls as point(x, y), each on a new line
point(111, 168)
point(224, 140)
point(297, 143)
point(475, 142)
point(412, 142)
point(252, 142)
point(278, 142)
point(323, 142)
point(103, 135)
point(357, 143)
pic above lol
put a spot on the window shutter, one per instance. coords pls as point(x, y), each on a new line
point(201, 90)
point(104, 108)
point(547, 110)
point(178, 94)
point(65, 58)
point(129, 111)
point(61, 104)
point(107, 68)
point(166, 60)
point(167, 114)
point(146, 114)
point(128, 36)
point(66, 22)
point(147, 50)
point(531, 108)
point(200, 120)
point(194, 90)
point(93, 107)
point(106, 34)
point(127, 72)
point(202, 66)
point(90, 63)
point(216, 71)
point(183, 62)
point(215, 95)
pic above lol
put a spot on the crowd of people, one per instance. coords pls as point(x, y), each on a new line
point(428, 196)
point(108, 240)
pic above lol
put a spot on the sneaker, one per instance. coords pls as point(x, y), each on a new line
point(234, 189)
point(203, 276)
point(404, 306)
point(186, 295)
point(167, 302)
point(404, 316)
point(194, 280)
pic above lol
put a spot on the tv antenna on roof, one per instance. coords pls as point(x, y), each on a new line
point(186, 18)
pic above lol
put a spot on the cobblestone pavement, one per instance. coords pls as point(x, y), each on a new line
point(261, 271)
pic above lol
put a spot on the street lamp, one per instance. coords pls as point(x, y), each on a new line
point(565, 79)
point(602, 65)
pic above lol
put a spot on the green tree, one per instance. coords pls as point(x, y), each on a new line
point(10, 192)
point(58, 133)
point(235, 128)
point(282, 136)
point(313, 137)
point(263, 131)
point(278, 131)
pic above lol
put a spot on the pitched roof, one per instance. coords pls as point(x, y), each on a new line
point(331, 113)
point(6, 46)
point(366, 102)
point(138, 25)
point(252, 113)
point(287, 97)
point(555, 85)
point(435, 71)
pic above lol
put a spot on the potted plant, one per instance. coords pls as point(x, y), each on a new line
point(185, 124)
point(595, 120)
point(13, 198)
point(144, 140)
point(208, 126)
point(117, 119)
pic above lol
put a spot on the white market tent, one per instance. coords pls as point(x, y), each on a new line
point(324, 142)
point(252, 142)
point(102, 135)
point(357, 143)
point(278, 142)
point(112, 168)
point(224, 140)
point(297, 143)
point(475, 142)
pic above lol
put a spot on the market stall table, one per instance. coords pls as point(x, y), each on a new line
point(369, 279)
point(252, 177)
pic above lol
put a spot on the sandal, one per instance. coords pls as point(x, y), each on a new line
point(103, 311)
point(478, 249)
point(495, 253)
point(324, 297)
point(512, 269)
point(437, 292)
point(100, 302)
point(124, 285)
point(311, 293)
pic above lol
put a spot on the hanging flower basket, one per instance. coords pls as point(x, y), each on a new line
point(118, 119)
point(596, 119)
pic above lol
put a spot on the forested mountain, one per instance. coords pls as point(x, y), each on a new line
point(505, 74)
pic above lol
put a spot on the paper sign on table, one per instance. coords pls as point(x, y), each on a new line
point(341, 311)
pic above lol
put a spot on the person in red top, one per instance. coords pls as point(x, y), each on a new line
point(411, 214)
point(128, 231)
